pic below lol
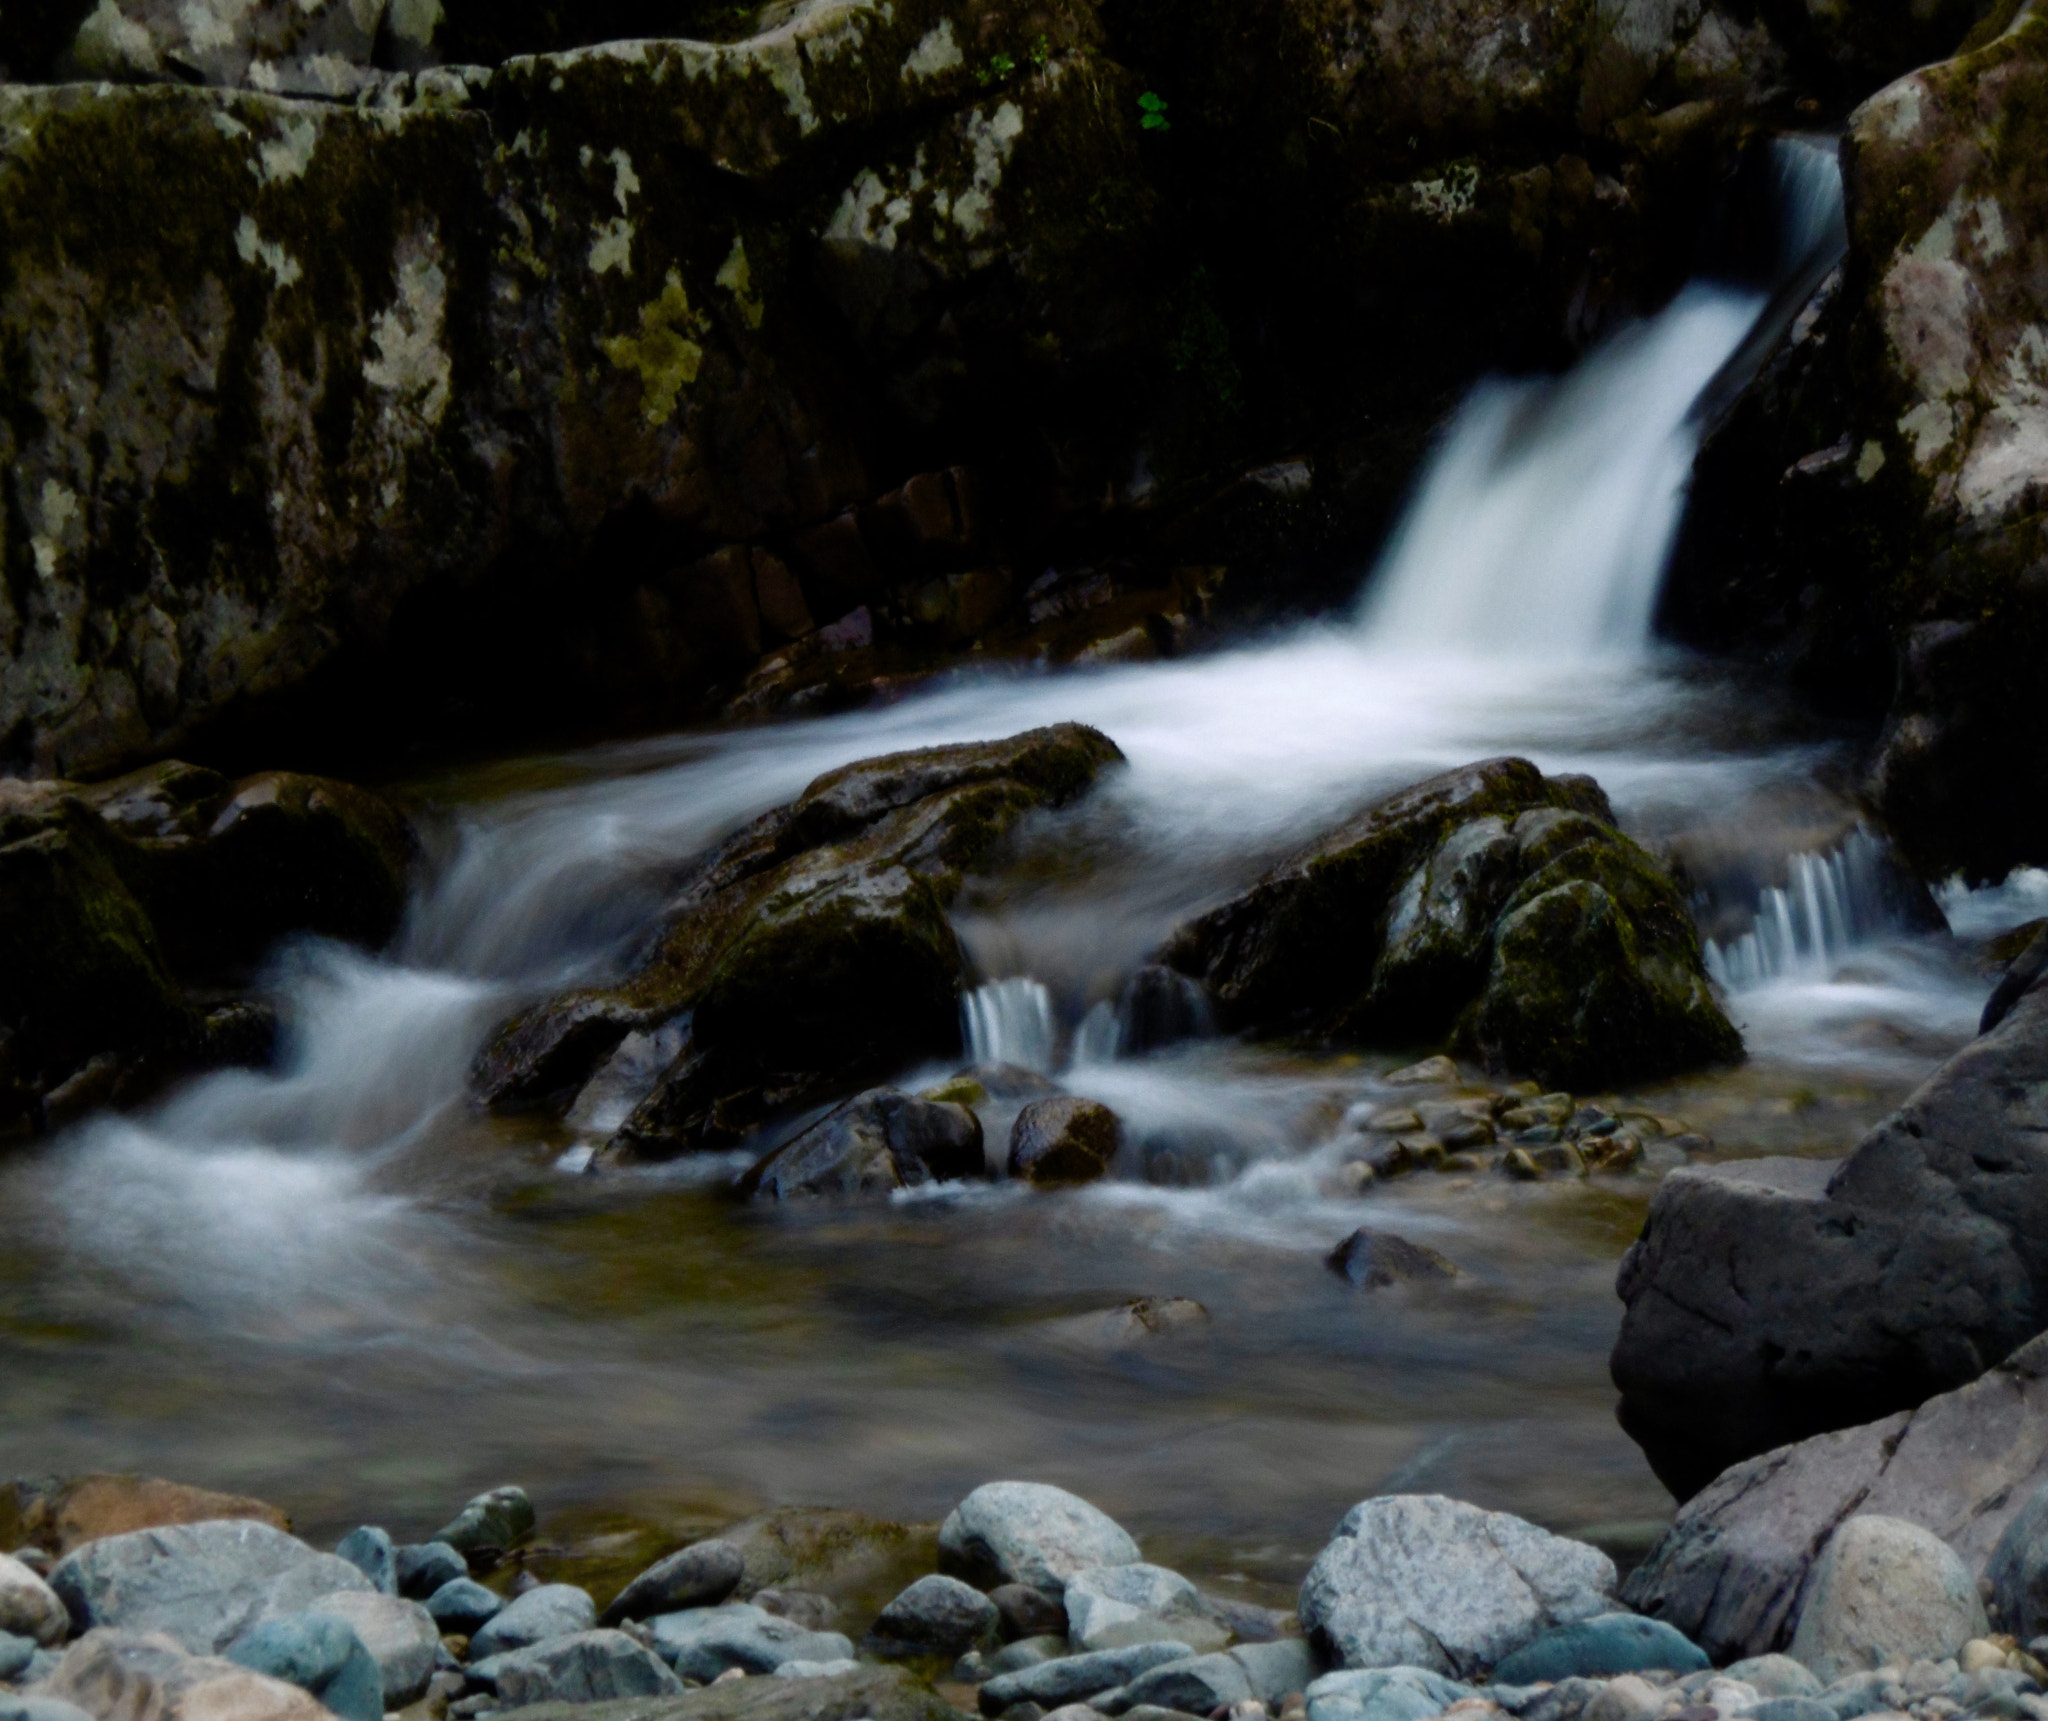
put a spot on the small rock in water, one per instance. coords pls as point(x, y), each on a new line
point(1136, 1322)
point(1885, 1591)
point(423, 1567)
point(370, 1551)
point(489, 1524)
point(1375, 1259)
point(701, 1575)
point(320, 1654)
point(1431, 1072)
point(937, 1615)
point(1063, 1141)
point(463, 1606)
point(1394, 1120)
point(552, 1610)
point(877, 1142)
point(1030, 1533)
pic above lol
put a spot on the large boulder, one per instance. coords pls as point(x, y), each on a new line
point(1491, 904)
point(203, 1585)
point(1770, 1299)
point(1731, 1571)
point(113, 894)
point(809, 953)
point(1885, 1593)
point(877, 1142)
point(1030, 1533)
point(1422, 1581)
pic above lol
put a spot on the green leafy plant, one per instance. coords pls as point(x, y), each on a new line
point(1152, 112)
point(1041, 51)
point(997, 68)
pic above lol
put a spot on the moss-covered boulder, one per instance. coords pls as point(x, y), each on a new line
point(809, 953)
point(1490, 905)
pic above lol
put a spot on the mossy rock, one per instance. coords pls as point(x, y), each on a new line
point(1492, 905)
point(848, 1555)
point(810, 954)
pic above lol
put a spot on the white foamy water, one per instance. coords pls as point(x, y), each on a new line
point(1009, 1022)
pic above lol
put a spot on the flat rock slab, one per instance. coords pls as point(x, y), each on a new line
point(1730, 1571)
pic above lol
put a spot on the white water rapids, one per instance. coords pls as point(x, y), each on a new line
point(324, 1233)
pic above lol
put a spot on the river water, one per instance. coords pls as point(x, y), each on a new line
point(334, 1285)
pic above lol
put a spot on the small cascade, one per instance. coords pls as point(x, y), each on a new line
point(1099, 1039)
point(1831, 904)
point(1009, 1022)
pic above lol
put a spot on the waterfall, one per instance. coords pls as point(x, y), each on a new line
point(1830, 904)
point(1546, 519)
point(1009, 1022)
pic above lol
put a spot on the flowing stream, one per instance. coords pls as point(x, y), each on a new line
point(333, 1284)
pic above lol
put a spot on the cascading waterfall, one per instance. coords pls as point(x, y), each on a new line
point(1831, 904)
point(1009, 1022)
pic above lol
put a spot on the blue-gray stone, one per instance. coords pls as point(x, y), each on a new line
point(1383, 1694)
point(1075, 1678)
point(424, 1567)
point(15, 1654)
point(1792, 1709)
point(585, 1667)
point(552, 1610)
point(702, 1642)
point(464, 1605)
point(370, 1551)
point(701, 1575)
point(1858, 1694)
point(1605, 1645)
point(319, 1654)
point(16, 1706)
point(1776, 1676)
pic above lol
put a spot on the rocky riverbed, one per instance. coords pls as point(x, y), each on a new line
point(137, 1597)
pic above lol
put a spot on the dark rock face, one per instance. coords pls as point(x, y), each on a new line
point(1064, 1140)
point(113, 895)
point(1489, 902)
point(1771, 1299)
point(810, 953)
point(1867, 516)
point(876, 1142)
point(1966, 1464)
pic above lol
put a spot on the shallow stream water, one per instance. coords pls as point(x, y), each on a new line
point(336, 1286)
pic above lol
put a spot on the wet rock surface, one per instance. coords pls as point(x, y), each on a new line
point(809, 952)
point(1490, 904)
point(1774, 1298)
point(878, 1141)
point(1065, 1140)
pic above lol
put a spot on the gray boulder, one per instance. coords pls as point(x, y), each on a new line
point(584, 1667)
point(204, 1585)
point(489, 1524)
point(1423, 1581)
point(701, 1575)
point(423, 1567)
point(1778, 1298)
point(1075, 1678)
point(1112, 1606)
point(400, 1635)
point(28, 1606)
point(2018, 1570)
point(876, 1142)
point(1030, 1533)
point(371, 1552)
point(1383, 1694)
point(1260, 1672)
point(320, 1654)
point(937, 1615)
point(464, 1605)
point(703, 1642)
point(552, 1610)
point(1731, 1569)
point(1886, 1593)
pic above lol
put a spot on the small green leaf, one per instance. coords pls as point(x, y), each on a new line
point(1152, 116)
